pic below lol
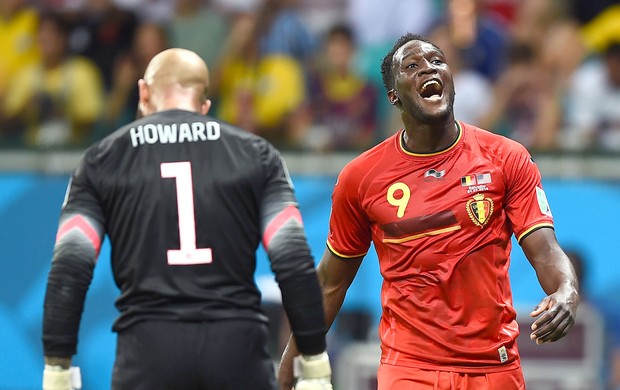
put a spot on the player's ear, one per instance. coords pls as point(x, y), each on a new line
point(206, 106)
point(392, 97)
point(145, 95)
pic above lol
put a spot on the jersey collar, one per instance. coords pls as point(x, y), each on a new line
point(450, 147)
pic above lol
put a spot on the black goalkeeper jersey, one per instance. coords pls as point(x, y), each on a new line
point(185, 201)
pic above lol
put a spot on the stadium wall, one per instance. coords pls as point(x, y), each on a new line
point(586, 212)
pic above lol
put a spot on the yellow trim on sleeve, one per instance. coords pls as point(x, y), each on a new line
point(344, 256)
point(535, 227)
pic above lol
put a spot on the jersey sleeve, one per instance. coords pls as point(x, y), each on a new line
point(283, 234)
point(284, 240)
point(78, 240)
point(526, 206)
point(349, 228)
point(81, 196)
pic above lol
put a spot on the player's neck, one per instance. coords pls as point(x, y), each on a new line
point(429, 138)
point(185, 105)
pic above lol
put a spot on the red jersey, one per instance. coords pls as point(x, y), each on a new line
point(441, 224)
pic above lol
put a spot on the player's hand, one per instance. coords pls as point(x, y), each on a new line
point(557, 315)
point(59, 378)
point(314, 372)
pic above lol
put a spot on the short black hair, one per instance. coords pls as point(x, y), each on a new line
point(386, 65)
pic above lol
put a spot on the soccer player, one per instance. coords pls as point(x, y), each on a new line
point(185, 201)
point(440, 200)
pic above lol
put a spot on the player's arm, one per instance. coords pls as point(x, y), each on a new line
point(285, 242)
point(301, 297)
point(75, 253)
point(335, 276)
point(558, 279)
point(78, 240)
point(530, 216)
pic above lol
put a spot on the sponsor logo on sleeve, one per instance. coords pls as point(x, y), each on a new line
point(542, 202)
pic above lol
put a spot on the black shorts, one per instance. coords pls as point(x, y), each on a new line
point(217, 355)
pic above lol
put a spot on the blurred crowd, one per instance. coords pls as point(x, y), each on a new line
point(305, 73)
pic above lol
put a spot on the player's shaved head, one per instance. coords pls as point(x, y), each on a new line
point(175, 75)
point(177, 67)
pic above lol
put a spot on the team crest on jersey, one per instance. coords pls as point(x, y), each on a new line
point(480, 209)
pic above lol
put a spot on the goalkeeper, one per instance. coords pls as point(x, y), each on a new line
point(185, 200)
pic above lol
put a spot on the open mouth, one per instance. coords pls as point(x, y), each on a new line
point(431, 90)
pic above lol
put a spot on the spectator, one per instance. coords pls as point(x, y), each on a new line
point(550, 29)
point(475, 92)
point(201, 27)
point(340, 113)
point(258, 92)
point(18, 28)
point(149, 39)
point(376, 24)
point(57, 101)
point(282, 32)
point(592, 115)
point(518, 96)
point(480, 35)
point(100, 33)
point(600, 22)
point(545, 50)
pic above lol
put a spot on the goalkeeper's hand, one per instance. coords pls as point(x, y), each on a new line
point(313, 372)
point(59, 378)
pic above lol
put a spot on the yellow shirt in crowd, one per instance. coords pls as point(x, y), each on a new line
point(268, 90)
point(70, 95)
point(18, 47)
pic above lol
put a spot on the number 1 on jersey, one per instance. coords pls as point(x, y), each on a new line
point(188, 254)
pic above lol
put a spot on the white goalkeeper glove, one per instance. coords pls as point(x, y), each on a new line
point(313, 372)
point(58, 378)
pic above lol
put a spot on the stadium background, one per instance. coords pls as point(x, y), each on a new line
point(586, 212)
point(582, 181)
